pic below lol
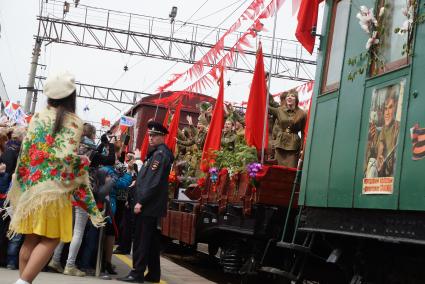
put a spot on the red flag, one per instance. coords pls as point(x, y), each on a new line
point(174, 126)
point(213, 140)
point(145, 143)
point(123, 129)
point(166, 118)
point(256, 108)
point(145, 146)
point(105, 122)
point(307, 19)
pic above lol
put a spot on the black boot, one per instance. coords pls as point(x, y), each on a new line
point(110, 269)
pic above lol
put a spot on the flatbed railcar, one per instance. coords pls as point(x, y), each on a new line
point(233, 215)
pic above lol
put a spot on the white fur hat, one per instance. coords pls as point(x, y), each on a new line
point(59, 85)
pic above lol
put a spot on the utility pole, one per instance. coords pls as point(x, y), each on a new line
point(31, 79)
point(34, 102)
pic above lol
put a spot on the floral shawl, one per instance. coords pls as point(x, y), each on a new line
point(49, 169)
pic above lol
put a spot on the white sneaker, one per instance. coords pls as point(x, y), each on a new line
point(73, 271)
point(56, 266)
point(20, 281)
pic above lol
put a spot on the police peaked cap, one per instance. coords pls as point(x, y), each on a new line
point(155, 127)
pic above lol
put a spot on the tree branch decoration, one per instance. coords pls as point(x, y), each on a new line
point(412, 19)
point(374, 27)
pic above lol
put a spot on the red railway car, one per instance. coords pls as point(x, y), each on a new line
point(147, 108)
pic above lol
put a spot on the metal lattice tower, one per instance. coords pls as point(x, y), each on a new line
point(106, 94)
point(156, 38)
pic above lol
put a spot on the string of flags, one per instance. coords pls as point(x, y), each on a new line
point(14, 114)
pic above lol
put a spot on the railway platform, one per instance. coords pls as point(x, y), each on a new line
point(172, 273)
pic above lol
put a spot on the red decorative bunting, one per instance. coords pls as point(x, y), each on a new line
point(217, 50)
point(210, 78)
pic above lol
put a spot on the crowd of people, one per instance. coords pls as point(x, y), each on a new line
point(10, 144)
point(55, 160)
point(54, 178)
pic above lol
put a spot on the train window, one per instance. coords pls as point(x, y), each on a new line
point(392, 43)
point(336, 46)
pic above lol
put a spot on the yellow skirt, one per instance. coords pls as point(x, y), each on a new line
point(51, 221)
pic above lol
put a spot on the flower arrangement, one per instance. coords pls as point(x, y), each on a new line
point(412, 19)
point(235, 161)
point(172, 177)
point(173, 183)
point(253, 169)
point(375, 28)
point(213, 174)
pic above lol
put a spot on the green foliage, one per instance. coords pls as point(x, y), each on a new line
point(359, 63)
point(236, 160)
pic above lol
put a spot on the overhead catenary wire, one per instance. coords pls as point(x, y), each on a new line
point(193, 14)
point(216, 12)
point(174, 65)
point(141, 60)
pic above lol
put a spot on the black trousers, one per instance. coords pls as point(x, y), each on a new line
point(146, 247)
point(4, 241)
point(126, 229)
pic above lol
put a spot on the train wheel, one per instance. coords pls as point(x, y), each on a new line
point(188, 249)
point(165, 243)
point(213, 250)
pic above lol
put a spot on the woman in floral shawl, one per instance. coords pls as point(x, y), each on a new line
point(49, 177)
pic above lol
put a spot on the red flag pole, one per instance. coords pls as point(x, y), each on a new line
point(265, 130)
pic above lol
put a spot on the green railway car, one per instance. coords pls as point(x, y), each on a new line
point(362, 198)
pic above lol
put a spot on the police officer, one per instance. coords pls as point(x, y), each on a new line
point(151, 205)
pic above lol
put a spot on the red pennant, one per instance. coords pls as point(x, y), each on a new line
point(210, 57)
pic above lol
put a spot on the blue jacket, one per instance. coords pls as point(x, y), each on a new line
point(120, 182)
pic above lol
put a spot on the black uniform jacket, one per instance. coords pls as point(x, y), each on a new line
point(152, 182)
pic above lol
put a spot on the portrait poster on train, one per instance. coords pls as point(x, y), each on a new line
point(383, 137)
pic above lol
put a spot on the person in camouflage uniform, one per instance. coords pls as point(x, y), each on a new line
point(194, 144)
point(228, 138)
point(240, 131)
point(198, 135)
